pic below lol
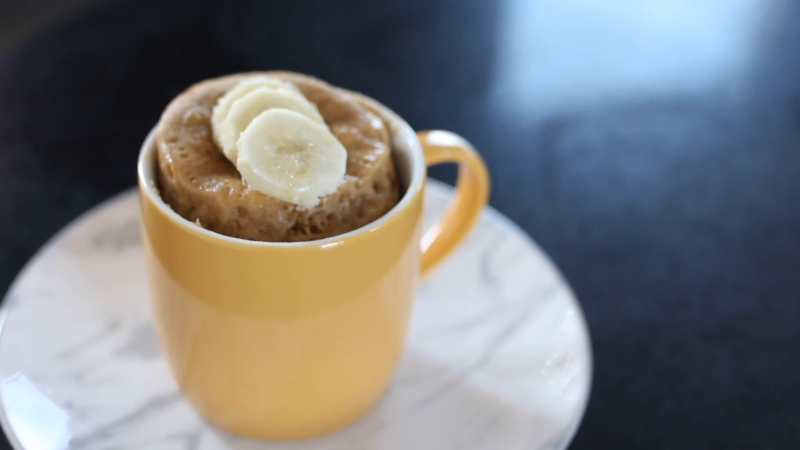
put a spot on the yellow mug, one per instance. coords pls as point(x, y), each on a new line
point(293, 340)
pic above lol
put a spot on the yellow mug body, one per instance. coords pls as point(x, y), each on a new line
point(293, 340)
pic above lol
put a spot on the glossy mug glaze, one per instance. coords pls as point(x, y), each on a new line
point(293, 340)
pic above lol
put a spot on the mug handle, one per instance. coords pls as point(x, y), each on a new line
point(472, 193)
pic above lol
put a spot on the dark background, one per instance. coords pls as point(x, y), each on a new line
point(651, 148)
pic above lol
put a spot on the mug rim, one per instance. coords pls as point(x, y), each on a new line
point(402, 135)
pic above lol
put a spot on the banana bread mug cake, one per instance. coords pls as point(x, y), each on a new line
point(281, 261)
point(275, 156)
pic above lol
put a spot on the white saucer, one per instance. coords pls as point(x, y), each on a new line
point(498, 356)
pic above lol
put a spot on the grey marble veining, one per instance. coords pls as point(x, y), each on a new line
point(498, 354)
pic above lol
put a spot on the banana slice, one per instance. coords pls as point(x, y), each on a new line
point(223, 106)
point(287, 155)
point(246, 108)
point(244, 87)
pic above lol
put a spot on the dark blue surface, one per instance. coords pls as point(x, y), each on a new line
point(652, 150)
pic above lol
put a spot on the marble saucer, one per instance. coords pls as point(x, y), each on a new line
point(498, 356)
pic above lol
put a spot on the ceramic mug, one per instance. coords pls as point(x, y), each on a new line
point(293, 340)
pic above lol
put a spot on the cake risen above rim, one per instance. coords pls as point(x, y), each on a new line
point(203, 186)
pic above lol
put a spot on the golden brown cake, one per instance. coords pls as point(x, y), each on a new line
point(200, 184)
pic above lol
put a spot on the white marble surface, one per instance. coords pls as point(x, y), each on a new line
point(498, 356)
